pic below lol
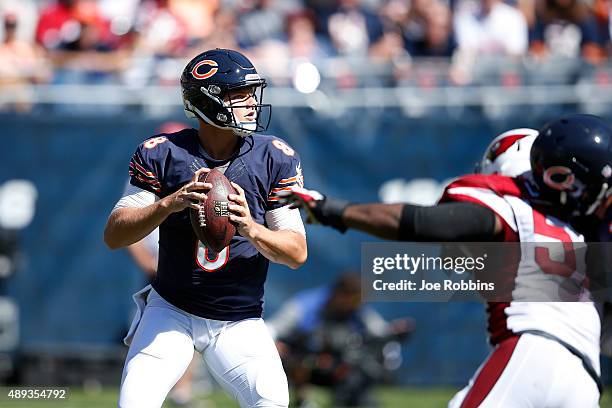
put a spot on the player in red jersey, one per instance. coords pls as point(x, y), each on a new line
point(546, 354)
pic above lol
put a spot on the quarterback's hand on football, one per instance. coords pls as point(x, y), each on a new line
point(240, 213)
point(319, 208)
point(189, 195)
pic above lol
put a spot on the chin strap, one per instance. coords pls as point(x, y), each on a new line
point(243, 129)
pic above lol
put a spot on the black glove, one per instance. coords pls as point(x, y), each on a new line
point(319, 208)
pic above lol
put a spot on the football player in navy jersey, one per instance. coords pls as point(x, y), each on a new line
point(200, 300)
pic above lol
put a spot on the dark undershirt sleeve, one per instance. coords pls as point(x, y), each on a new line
point(460, 221)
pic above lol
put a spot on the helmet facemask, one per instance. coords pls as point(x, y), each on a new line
point(262, 112)
point(573, 194)
point(217, 109)
point(593, 198)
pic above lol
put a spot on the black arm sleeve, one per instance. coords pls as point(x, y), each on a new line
point(445, 222)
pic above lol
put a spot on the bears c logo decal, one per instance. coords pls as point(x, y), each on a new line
point(559, 177)
point(208, 74)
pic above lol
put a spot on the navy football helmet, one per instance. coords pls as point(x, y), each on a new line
point(571, 160)
point(210, 77)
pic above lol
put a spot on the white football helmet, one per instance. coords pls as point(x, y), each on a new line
point(508, 153)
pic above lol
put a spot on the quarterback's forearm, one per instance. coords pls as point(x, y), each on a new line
point(127, 225)
point(284, 246)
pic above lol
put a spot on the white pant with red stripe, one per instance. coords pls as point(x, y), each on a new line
point(240, 355)
point(529, 371)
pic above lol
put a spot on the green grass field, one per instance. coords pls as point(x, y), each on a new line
point(388, 397)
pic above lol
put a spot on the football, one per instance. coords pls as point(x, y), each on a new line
point(211, 223)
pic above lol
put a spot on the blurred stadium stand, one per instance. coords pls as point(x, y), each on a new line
point(331, 86)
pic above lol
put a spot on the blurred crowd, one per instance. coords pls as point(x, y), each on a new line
point(128, 41)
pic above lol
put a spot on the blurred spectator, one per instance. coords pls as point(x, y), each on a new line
point(352, 28)
point(162, 33)
point(53, 23)
point(389, 47)
point(566, 28)
point(302, 45)
point(88, 32)
point(490, 27)
point(26, 12)
point(408, 17)
point(197, 17)
point(437, 39)
point(527, 7)
point(485, 30)
point(21, 63)
point(322, 9)
point(302, 39)
point(121, 15)
point(260, 20)
point(21, 60)
point(395, 13)
point(224, 34)
point(601, 10)
point(62, 23)
point(424, 25)
point(80, 42)
point(391, 44)
point(327, 337)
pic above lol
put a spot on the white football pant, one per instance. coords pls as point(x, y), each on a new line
point(240, 355)
point(529, 371)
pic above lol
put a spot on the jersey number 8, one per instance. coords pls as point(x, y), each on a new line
point(151, 143)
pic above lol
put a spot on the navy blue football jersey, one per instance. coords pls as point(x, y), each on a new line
point(228, 285)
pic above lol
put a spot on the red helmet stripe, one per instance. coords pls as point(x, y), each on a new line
point(503, 145)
